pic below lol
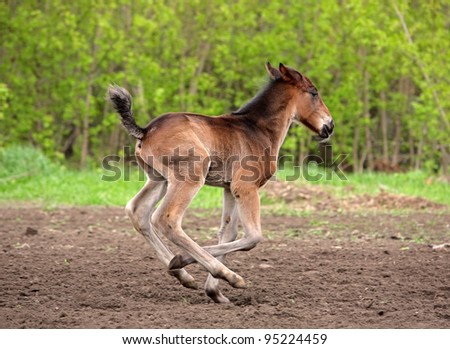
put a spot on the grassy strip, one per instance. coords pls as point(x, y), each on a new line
point(87, 188)
point(26, 174)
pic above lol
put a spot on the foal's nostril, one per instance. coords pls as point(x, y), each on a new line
point(327, 129)
point(324, 132)
point(330, 126)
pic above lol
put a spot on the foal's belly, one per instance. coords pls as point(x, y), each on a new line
point(218, 175)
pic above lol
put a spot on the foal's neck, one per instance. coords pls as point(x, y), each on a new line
point(272, 111)
point(276, 127)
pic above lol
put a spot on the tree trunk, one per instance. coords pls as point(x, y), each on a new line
point(412, 155)
point(397, 141)
point(355, 148)
point(114, 142)
point(85, 127)
point(445, 160)
point(301, 151)
point(425, 75)
point(143, 110)
point(85, 124)
point(384, 128)
point(368, 134)
point(69, 142)
point(203, 55)
point(418, 160)
point(397, 125)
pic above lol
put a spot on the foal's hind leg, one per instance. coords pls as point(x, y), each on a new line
point(227, 233)
point(140, 210)
point(167, 219)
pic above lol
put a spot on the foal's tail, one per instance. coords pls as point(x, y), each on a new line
point(121, 100)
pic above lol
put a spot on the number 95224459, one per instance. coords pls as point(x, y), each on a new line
point(295, 338)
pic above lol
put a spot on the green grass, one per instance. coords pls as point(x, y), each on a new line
point(27, 175)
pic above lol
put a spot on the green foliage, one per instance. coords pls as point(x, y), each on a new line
point(24, 161)
point(208, 57)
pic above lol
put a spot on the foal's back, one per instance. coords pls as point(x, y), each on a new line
point(222, 136)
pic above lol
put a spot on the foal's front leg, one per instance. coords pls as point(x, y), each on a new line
point(247, 200)
point(227, 233)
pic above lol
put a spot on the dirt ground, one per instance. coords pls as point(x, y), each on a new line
point(87, 268)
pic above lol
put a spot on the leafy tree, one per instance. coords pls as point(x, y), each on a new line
point(381, 67)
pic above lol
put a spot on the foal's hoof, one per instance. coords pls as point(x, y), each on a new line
point(217, 296)
point(185, 279)
point(190, 284)
point(176, 262)
point(238, 282)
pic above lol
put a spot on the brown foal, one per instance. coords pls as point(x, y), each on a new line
point(181, 152)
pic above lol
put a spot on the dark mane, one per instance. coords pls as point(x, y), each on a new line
point(259, 104)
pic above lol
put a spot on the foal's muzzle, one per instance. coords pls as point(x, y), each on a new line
point(326, 131)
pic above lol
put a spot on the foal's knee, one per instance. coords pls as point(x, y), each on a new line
point(165, 223)
point(130, 209)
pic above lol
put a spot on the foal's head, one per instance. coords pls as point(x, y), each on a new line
point(309, 108)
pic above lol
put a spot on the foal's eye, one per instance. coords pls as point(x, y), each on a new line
point(314, 93)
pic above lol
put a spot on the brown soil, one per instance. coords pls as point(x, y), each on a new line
point(86, 268)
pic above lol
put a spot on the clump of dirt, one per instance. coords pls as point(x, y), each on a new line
point(315, 198)
point(384, 166)
point(391, 201)
point(290, 192)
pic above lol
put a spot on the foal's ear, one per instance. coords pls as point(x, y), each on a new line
point(289, 75)
point(273, 72)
